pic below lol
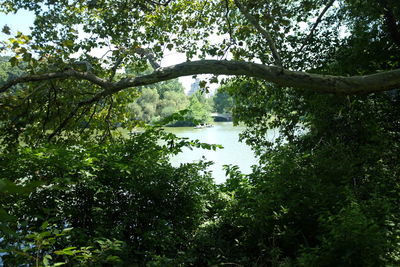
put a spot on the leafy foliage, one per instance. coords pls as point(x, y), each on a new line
point(223, 102)
point(125, 191)
point(158, 102)
point(325, 192)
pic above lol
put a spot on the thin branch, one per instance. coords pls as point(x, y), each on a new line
point(107, 120)
point(47, 109)
point(318, 21)
point(149, 55)
point(105, 54)
point(90, 118)
point(261, 30)
point(64, 122)
point(39, 87)
point(115, 67)
point(228, 21)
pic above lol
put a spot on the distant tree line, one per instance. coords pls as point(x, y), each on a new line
point(157, 102)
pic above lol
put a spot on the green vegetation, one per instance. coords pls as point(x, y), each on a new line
point(158, 102)
point(325, 192)
point(66, 202)
point(223, 101)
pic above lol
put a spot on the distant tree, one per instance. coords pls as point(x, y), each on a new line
point(223, 102)
point(199, 108)
point(7, 71)
point(171, 102)
point(158, 101)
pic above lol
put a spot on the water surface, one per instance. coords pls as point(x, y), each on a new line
point(223, 133)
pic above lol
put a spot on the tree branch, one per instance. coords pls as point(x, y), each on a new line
point(150, 57)
point(69, 73)
point(261, 30)
point(115, 68)
point(159, 2)
point(318, 21)
point(64, 123)
point(378, 82)
point(229, 22)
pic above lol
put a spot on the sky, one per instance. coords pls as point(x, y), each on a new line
point(22, 20)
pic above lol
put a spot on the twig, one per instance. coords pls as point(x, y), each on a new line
point(319, 19)
point(261, 30)
point(229, 22)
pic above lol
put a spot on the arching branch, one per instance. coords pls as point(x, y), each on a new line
point(67, 74)
point(378, 82)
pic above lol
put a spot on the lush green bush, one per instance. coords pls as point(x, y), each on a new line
point(325, 192)
point(126, 191)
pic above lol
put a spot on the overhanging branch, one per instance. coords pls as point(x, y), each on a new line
point(67, 74)
point(378, 82)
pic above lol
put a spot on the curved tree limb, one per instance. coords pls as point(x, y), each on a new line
point(264, 32)
point(378, 82)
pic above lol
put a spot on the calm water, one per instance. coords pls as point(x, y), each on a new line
point(223, 133)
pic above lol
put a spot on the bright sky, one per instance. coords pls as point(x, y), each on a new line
point(22, 20)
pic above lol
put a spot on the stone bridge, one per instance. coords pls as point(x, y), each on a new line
point(221, 117)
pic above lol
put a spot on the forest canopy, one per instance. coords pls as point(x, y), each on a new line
point(291, 43)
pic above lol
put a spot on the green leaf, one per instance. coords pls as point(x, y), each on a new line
point(44, 225)
point(6, 30)
point(13, 61)
point(46, 259)
point(157, 48)
point(68, 43)
point(170, 46)
point(59, 263)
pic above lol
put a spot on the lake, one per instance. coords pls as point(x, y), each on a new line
point(223, 133)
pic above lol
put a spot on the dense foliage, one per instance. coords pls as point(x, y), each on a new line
point(154, 106)
point(326, 191)
point(158, 103)
point(223, 101)
point(125, 195)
